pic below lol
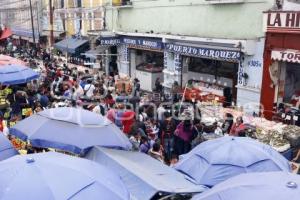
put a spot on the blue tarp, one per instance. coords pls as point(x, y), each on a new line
point(72, 45)
point(143, 176)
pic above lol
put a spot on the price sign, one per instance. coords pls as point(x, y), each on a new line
point(288, 117)
point(295, 118)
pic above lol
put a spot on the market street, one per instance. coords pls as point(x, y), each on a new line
point(149, 100)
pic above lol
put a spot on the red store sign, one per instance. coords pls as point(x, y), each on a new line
point(282, 21)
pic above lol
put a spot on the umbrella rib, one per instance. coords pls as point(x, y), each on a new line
point(73, 195)
point(61, 120)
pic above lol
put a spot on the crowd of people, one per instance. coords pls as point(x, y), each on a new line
point(160, 130)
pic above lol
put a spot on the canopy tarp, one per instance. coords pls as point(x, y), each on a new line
point(72, 45)
point(143, 176)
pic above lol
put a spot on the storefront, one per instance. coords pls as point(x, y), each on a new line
point(281, 74)
point(112, 55)
point(25, 37)
point(142, 58)
point(213, 71)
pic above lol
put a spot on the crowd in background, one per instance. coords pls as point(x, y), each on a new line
point(163, 133)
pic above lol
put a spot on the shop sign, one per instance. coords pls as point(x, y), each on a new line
point(109, 41)
point(146, 43)
point(282, 21)
point(254, 63)
point(286, 55)
point(204, 52)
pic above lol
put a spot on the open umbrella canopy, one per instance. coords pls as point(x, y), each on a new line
point(217, 160)
point(70, 129)
point(262, 186)
point(6, 148)
point(143, 176)
point(16, 74)
point(8, 60)
point(52, 175)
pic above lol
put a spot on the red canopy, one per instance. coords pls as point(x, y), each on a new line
point(6, 33)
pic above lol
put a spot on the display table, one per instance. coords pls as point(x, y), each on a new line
point(148, 78)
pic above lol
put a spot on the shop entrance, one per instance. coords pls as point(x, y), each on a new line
point(146, 66)
point(215, 76)
point(289, 84)
point(113, 66)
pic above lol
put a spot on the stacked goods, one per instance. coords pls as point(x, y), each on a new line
point(272, 138)
point(292, 134)
point(124, 85)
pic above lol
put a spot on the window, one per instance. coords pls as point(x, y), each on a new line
point(212, 67)
point(122, 3)
point(79, 3)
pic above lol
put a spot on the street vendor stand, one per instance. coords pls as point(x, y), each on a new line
point(199, 91)
point(282, 137)
point(148, 74)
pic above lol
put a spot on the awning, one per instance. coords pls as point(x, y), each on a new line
point(55, 33)
point(286, 55)
point(6, 33)
point(24, 33)
point(72, 45)
point(143, 176)
point(93, 53)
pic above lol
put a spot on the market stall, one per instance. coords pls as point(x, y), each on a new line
point(215, 78)
point(144, 59)
point(282, 137)
point(149, 67)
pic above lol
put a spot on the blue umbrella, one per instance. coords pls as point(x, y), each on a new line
point(70, 129)
point(6, 148)
point(217, 160)
point(260, 186)
point(16, 74)
point(58, 176)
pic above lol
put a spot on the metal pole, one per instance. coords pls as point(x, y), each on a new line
point(51, 23)
point(37, 18)
point(32, 25)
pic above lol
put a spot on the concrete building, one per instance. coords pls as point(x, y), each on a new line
point(281, 69)
point(16, 15)
point(73, 17)
point(218, 43)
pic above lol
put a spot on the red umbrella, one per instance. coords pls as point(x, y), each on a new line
point(8, 60)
